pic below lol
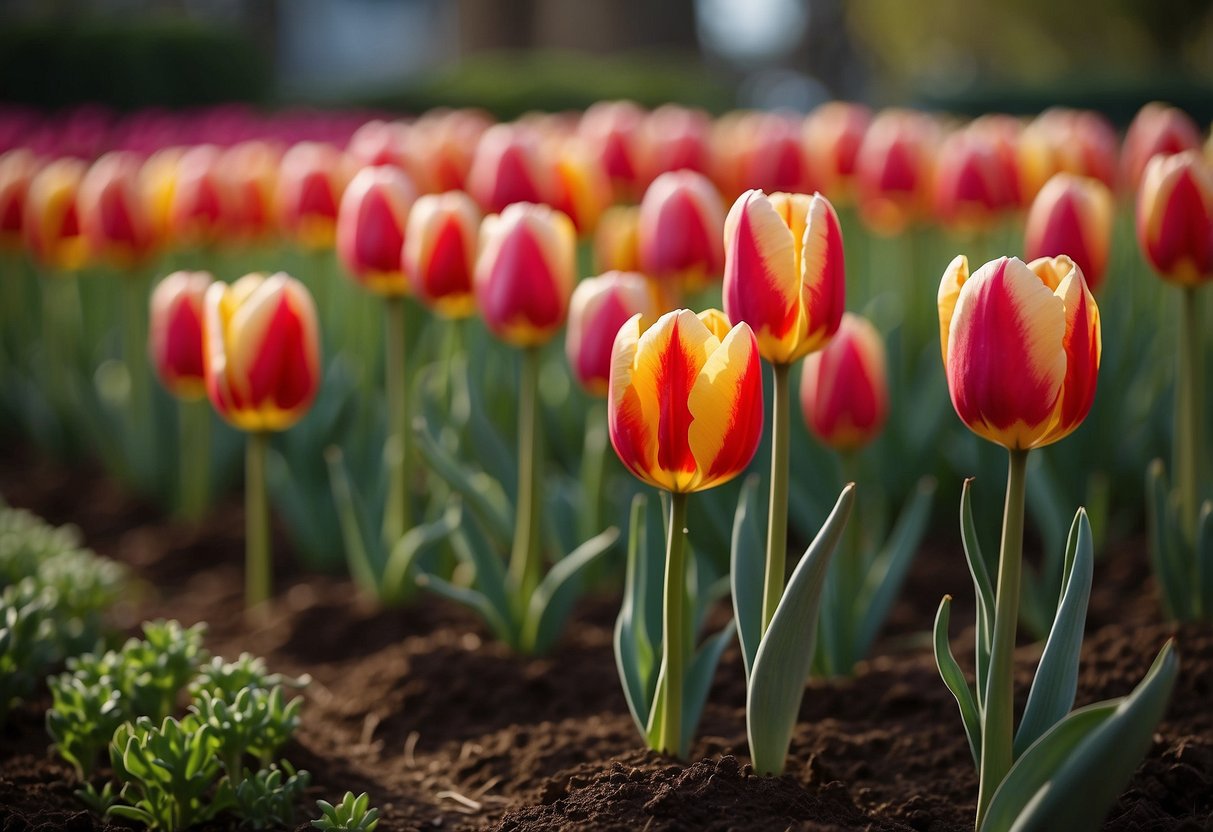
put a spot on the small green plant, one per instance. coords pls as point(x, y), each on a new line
point(26, 541)
point(225, 678)
point(352, 814)
point(267, 798)
point(255, 721)
point(161, 664)
point(27, 643)
point(171, 776)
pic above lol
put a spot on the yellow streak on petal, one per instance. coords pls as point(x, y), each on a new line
point(713, 400)
point(954, 277)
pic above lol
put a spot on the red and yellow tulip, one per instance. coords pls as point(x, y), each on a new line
point(440, 252)
point(175, 335)
point(17, 168)
point(252, 171)
point(52, 221)
point(1072, 215)
point(972, 186)
point(1157, 129)
point(200, 207)
point(616, 240)
point(524, 272)
point(684, 403)
point(844, 389)
point(1061, 140)
point(674, 138)
point(311, 180)
point(784, 272)
point(114, 215)
point(612, 130)
point(370, 228)
point(509, 167)
point(599, 307)
point(261, 351)
point(679, 233)
point(1021, 348)
point(1175, 217)
point(893, 170)
point(582, 187)
point(833, 134)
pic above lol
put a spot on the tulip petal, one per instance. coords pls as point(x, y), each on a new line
point(761, 285)
point(631, 433)
point(1083, 348)
point(954, 277)
point(822, 278)
point(725, 405)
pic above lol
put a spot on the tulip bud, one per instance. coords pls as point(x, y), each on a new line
point(440, 252)
point(447, 140)
point(833, 134)
point(261, 351)
point(1021, 348)
point(612, 130)
point(893, 170)
point(524, 272)
point(763, 151)
point(784, 272)
point(1072, 215)
point(370, 228)
point(679, 235)
point(1156, 129)
point(378, 143)
point(311, 179)
point(844, 389)
point(615, 240)
point(509, 167)
point(52, 222)
point(599, 307)
point(1175, 217)
point(582, 188)
point(1070, 141)
point(252, 171)
point(114, 215)
point(684, 406)
point(175, 335)
point(199, 205)
point(674, 138)
point(17, 168)
point(971, 186)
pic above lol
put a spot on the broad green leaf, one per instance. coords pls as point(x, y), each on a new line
point(1071, 776)
point(1164, 542)
point(1052, 693)
point(553, 598)
point(699, 680)
point(783, 660)
point(396, 585)
point(954, 678)
point(355, 526)
point(473, 489)
point(1204, 560)
point(634, 653)
point(474, 600)
point(746, 572)
point(888, 571)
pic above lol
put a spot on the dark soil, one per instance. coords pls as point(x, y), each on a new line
point(444, 728)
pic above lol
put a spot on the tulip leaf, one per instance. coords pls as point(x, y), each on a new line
point(1052, 693)
point(747, 565)
point(470, 485)
point(474, 600)
point(1069, 778)
point(355, 524)
point(954, 678)
point(888, 570)
point(553, 598)
point(699, 680)
point(635, 653)
point(1204, 560)
point(981, 587)
point(785, 656)
point(395, 585)
point(1164, 540)
point(473, 549)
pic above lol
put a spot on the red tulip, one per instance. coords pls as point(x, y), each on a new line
point(509, 166)
point(893, 170)
point(370, 228)
point(199, 206)
point(52, 222)
point(1072, 215)
point(844, 389)
point(674, 138)
point(833, 134)
point(1156, 129)
point(17, 169)
point(1175, 217)
point(175, 335)
point(311, 179)
point(681, 224)
point(114, 215)
point(440, 252)
point(252, 172)
point(599, 307)
point(972, 186)
point(612, 130)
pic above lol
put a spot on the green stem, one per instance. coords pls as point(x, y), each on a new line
point(194, 424)
point(673, 662)
point(777, 522)
point(134, 350)
point(524, 557)
point(1188, 395)
point(997, 733)
point(256, 523)
point(397, 518)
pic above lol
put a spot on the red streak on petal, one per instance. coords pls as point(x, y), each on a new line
point(378, 236)
point(675, 377)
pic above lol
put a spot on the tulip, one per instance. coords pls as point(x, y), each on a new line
point(582, 188)
point(17, 168)
point(612, 129)
point(446, 141)
point(252, 171)
point(261, 359)
point(52, 222)
point(509, 167)
point(1072, 215)
point(199, 206)
point(114, 217)
point(684, 410)
point(674, 138)
point(311, 179)
point(785, 277)
point(1021, 348)
point(370, 228)
point(440, 252)
point(524, 273)
point(833, 134)
point(972, 186)
point(893, 170)
point(1157, 129)
point(378, 143)
point(599, 307)
point(767, 153)
point(1067, 141)
point(175, 347)
point(679, 235)
point(844, 389)
point(615, 240)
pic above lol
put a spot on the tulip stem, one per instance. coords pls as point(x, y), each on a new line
point(1188, 395)
point(777, 510)
point(134, 351)
point(194, 457)
point(256, 523)
point(524, 557)
point(997, 733)
point(673, 665)
point(397, 518)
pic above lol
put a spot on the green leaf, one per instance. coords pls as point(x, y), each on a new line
point(474, 600)
point(474, 549)
point(355, 525)
point(982, 588)
point(1164, 541)
point(634, 653)
point(396, 585)
point(785, 655)
point(553, 598)
point(469, 484)
point(1071, 776)
point(699, 680)
point(1056, 680)
point(954, 678)
point(746, 572)
point(888, 571)
point(1204, 560)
